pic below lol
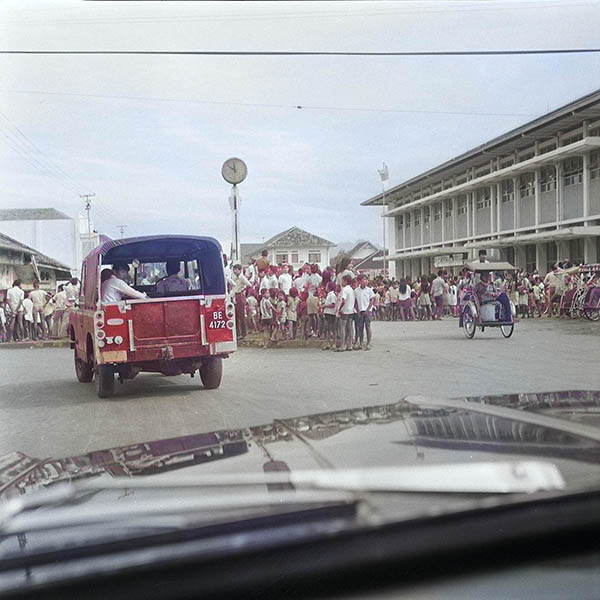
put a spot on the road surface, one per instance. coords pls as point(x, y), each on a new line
point(45, 412)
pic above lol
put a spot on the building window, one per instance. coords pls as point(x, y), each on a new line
point(295, 260)
point(508, 190)
point(483, 198)
point(547, 179)
point(314, 257)
point(426, 214)
point(530, 258)
point(576, 251)
point(401, 220)
point(408, 219)
point(281, 257)
point(45, 275)
point(551, 255)
point(462, 207)
point(437, 212)
point(527, 185)
point(573, 171)
point(595, 164)
point(572, 139)
point(448, 208)
point(417, 219)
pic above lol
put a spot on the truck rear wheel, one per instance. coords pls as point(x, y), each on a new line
point(211, 372)
point(105, 381)
point(83, 370)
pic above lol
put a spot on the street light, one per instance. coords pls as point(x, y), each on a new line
point(384, 174)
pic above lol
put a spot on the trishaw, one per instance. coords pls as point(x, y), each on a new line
point(169, 332)
point(484, 301)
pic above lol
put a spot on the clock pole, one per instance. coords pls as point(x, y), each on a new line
point(234, 202)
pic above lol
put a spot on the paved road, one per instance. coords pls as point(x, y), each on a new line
point(44, 411)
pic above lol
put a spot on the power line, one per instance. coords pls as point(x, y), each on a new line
point(266, 105)
point(524, 52)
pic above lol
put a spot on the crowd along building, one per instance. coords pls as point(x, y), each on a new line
point(530, 196)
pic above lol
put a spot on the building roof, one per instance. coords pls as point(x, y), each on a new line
point(567, 116)
point(358, 246)
point(294, 236)
point(370, 263)
point(31, 214)
point(41, 259)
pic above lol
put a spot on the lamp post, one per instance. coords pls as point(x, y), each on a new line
point(384, 175)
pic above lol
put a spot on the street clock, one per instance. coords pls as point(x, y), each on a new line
point(234, 170)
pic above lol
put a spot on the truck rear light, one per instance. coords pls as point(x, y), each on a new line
point(99, 324)
point(230, 307)
point(99, 316)
point(100, 344)
point(109, 340)
point(118, 339)
point(230, 324)
point(100, 335)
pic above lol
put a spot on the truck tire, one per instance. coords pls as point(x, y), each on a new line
point(83, 370)
point(211, 372)
point(105, 381)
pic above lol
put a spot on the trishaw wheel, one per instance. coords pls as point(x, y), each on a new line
point(593, 314)
point(83, 370)
point(211, 372)
point(469, 326)
point(507, 330)
point(105, 381)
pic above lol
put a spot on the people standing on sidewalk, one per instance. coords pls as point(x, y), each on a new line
point(424, 301)
point(60, 305)
point(285, 280)
point(266, 316)
point(329, 314)
point(364, 304)
point(292, 312)
point(394, 299)
point(405, 301)
point(28, 317)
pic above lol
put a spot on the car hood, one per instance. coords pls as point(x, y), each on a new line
point(561, 427)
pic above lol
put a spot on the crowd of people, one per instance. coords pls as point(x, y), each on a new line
point(37, 314)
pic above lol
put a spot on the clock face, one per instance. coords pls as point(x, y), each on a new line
point(234, 170)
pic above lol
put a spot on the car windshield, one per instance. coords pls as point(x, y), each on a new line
point(345, 249)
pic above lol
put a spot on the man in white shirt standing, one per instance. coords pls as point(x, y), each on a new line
point(28, 317)
point(60, 314)
point(364, 303)
point(39, 299)
point(72, 291)
point(437, 291)
point(285, 280)
point(347, 300)
point(15, 296)
point(240, 283)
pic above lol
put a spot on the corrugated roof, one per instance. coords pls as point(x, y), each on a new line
point(41, 259)
point(31, 214)
point(562, 118)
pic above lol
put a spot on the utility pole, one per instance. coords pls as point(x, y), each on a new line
point(384, 175)
point(122, 229)
point(88, 206)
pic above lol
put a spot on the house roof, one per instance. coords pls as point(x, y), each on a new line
point(31, 214)
point(294, 236)
point(41, 259)
point(369, 263)
point(358, 246)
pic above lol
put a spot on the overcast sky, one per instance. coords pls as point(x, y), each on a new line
point(148, 134)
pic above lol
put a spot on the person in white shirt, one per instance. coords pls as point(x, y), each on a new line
point(252, 272)
point(272, 281)
point(15, 296)
point(72, 291)
point(28, 308)
point(240, 283)
point(314, 280)
point(329, 312)
point(39, 299)
point(285, 281)
point(173, 282)
point(364, 303)
point(345, 312)
point(113, 288)
point(437, 291)
point(60, 314)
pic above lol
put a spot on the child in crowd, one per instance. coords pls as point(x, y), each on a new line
point(292, 311)
point(252, 310)
point(266, 316)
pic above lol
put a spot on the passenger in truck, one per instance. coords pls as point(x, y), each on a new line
point(113, 287)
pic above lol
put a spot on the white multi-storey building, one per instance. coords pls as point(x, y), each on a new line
point(530, 196)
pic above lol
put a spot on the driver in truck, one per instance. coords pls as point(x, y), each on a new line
point(113, 287)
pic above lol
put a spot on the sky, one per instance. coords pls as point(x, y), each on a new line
point(148, 134)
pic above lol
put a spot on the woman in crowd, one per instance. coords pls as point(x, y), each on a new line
point(424, 301)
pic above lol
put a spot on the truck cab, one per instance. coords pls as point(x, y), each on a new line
point(173, 329)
